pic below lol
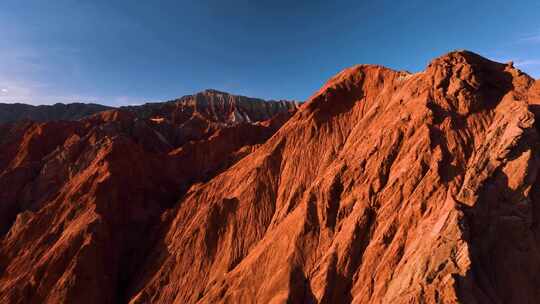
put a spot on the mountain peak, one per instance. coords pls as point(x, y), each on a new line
point(214, 91)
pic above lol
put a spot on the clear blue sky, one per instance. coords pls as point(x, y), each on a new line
point(126, 52)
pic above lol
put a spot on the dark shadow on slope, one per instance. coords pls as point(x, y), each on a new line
point(300, 288)
point(502, 232)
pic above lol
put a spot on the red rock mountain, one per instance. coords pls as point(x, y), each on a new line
point(384, 187)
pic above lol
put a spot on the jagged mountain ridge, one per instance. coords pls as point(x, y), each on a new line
point(385, 187)
point(212, 104)
point(216, 105)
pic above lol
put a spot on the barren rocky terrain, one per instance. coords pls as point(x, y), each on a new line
point(384, 187)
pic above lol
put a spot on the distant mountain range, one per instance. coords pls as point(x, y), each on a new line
point(73, 111)
point(209, 102)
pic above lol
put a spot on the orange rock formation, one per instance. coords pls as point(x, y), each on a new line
point(385, 187)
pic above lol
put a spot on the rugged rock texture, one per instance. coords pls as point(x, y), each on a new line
point(215, 106)
point(385, 187)
point(203, 113)
point(59, 111)
point(81, 200)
